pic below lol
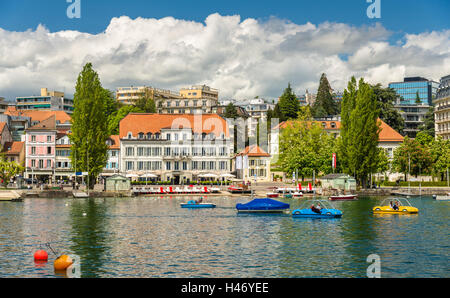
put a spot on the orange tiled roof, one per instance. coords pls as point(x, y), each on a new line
point(47, 124)
point(2, 126)
point(388, 134)
point(254, 151)
point(13, 147)
point(145, 123)
point(115, 142)
point(37, 115)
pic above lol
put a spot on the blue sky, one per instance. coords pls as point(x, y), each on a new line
point(399, 16)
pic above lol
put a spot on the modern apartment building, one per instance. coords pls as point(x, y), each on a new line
point(193, 100)
point(175, 147)
point(47, 101)
point(127, 95)
point(442, 109)
point(253, 164)
point(3, 105)
point(415, 97)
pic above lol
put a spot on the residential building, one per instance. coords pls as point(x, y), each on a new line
point(113, 164)
point(5, 134)
point(415, 97)
point(195, 99)
point(47, 101)
point(442, 109)
point(388, 139)
point(175, 147)
point(3, 105)
point(20, 120)
point(63, 163)
point(253, 164)
point(127, 95)
point(40, 153)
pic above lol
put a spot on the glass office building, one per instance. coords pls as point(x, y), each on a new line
point(413, 86)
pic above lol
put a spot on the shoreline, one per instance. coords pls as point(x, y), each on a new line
point(384, 191)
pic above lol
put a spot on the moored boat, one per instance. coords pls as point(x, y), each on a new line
point(343, 197)
point(262, 206)
point(396, 206)
point(323, 209)
point(194, 204)
point(272, 195)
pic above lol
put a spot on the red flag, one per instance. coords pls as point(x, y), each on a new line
point(334, 161)
point(300, 186)
point(309, 186)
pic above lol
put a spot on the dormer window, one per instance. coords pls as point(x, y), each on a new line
point(130, 135)
point(149, 135)
point(324, 125)
point(157, 135)
point(333, 125)
point(141, 135)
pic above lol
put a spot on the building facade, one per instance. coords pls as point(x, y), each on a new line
point(63, 163)
point(253, 164)
point(415, 97)
point(113, 164)
point(176, 148)
point(47, 101)
point(442, 109)
point(40, 150)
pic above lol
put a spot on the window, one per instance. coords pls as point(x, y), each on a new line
point(113, 153)
point(33, 150)
point(33, 163)
point(168, 136)
point(185, 165)
point(168, 165)
point(49, 163)
point(149, 135)
point(141, 135)
point(129, 151)
point(140, 165)
point(33, 138)
point(186, 103)
point(176, 166)
point(49, 138)
point(140, 151)
point(130, 135)
point(167, 151)
point(49, 150)
point(194, 165)
point(129, 165)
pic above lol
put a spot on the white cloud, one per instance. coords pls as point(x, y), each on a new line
point(242, 58)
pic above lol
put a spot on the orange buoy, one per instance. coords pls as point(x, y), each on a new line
point(40, 255)
point(63, 262)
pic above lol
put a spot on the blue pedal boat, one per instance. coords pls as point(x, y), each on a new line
point(327, 211)
point(262, 206)
point(194, 204)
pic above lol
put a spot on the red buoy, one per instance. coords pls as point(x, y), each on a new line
point(41, 255)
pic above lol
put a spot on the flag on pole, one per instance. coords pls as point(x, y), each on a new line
point(334, 161)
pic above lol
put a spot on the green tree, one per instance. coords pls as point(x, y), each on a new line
point(412, 155)
point(305, 147)
point(325, 104)
point(386, 98)
point(230, 111)
point(288, 105)
point(8, 169)
point(428, 124)
point(440, 154)
point(418, 101)
point(89, 125)
point(145, 103)
point(114, 120)
point(359, 131)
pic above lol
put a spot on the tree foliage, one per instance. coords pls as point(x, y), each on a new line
point(89, 124)
point(360, 129)
point(412, 157)
point(306, 147)
point(386, 98)
point(288, 105)
point(324, 105)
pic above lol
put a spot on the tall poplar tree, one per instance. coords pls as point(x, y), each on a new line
point(89, 125)
point(359, 131)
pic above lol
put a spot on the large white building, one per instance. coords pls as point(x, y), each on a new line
point(175, 147)
point(442, 109)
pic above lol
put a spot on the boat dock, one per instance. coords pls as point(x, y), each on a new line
point(10, 196)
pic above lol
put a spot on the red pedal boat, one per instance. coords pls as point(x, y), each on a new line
point(343, 198)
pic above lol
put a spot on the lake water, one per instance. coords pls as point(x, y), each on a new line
point(154, 237)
